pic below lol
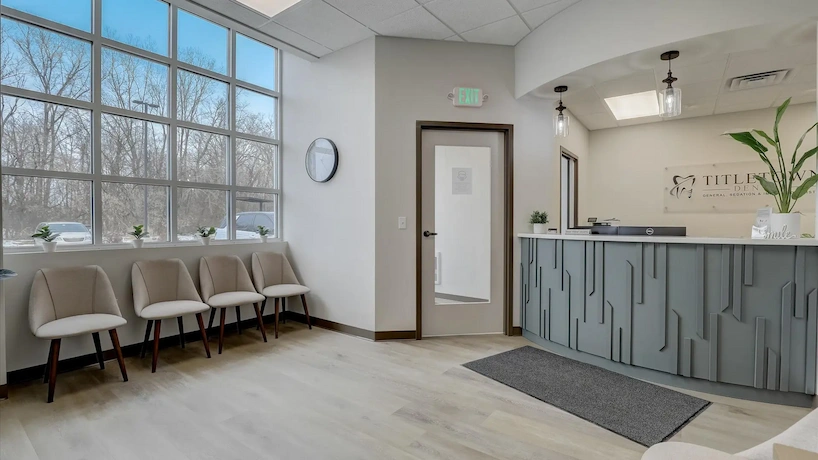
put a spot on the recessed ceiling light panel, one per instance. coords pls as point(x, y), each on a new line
point(269, 7)
point(635, 105)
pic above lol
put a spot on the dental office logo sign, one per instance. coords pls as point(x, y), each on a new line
point(723, 187)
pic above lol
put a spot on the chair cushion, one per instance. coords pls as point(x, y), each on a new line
point(285, 290)
point(231, 299)
point(173, 309)
point(78, 325)
point(684, 451)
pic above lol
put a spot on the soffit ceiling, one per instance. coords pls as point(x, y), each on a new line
point(320, 27)
point(704, 69)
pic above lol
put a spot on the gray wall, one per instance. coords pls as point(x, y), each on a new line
point(735, 314)
point(25, 350)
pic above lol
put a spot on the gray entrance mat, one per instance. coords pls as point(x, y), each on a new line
point(640, 411)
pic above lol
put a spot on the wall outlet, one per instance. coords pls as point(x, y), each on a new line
point(401, 223)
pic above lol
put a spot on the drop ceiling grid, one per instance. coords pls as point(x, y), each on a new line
point(503, 22)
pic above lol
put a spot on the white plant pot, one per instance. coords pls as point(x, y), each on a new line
point(49, 246)
point(540, 228)
point(785, 226)
point(138, 243)
point(205, 240)
point(263, 238)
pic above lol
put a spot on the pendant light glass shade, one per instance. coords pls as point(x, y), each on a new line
point(670, 104)
point(561, 120)
point(561, 125)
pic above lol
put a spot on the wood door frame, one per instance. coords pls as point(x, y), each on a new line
point(567, 153)
point(508, 213)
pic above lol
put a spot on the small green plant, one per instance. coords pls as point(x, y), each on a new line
point(206, 232)
point(538, 217)
point(263, 231)
point(139, 232)
point(45, 234)
point(782, 178)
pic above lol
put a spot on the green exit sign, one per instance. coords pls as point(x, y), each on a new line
point(467, 97)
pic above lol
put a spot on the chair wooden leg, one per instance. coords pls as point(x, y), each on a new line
point(156, 331)
point(306, 310)
point(210, 323)
point(276, 321)
point(204, 333)
point(238, 318)
point(98, 347)
point(119, 358)
point(145, 341)
point(47, 369)
point(52, 368)
point(263, 304)
point(260, 322)
point(221, 329)
point(181, 331)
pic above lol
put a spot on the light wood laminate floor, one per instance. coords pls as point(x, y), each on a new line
point(323, 395)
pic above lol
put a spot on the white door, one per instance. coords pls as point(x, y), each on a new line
point(462, 207)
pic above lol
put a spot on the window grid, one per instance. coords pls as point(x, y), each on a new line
point(98, 43)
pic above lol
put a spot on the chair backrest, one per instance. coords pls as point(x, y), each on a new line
point(218, 274)
point(62, 292)
point(270, 269)
point(157, 281)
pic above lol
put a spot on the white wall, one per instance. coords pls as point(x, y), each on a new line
point(626, 167)
point(330, 226)
point(577, 143)
point(593, 31)
point(463, 222)
point(413, 78)
point(24, 350)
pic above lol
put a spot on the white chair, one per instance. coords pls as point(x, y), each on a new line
point(67, 302)
point(275, 279)
point(163, 289)
point(802, 435)
point(225, 283)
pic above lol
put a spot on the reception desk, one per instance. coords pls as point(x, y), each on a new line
point(736, 317)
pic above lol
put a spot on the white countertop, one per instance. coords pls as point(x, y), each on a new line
point(673, 239)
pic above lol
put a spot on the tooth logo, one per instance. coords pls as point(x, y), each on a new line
point(683, 186)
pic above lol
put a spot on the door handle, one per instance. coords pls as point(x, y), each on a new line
point(427, 234)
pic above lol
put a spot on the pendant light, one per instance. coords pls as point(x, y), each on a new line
point(670, 98)
point(561, 120)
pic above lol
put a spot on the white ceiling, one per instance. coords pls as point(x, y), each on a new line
point(704, 69)
point(320, 27)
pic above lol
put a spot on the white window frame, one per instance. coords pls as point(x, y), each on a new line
point(97, 108)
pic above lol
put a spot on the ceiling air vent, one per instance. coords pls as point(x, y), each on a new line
point(758, 80)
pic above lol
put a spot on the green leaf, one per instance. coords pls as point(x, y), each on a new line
point(778, 115)
point(807, 155)
point(804, 187)
point(767, 185)
point(749, 140)
point(765, 136)
point(801, 141)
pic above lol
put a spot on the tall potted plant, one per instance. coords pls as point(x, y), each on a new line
point(781, 183)
point(538, 220)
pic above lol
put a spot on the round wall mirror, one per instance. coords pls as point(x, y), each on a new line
point(322, 160)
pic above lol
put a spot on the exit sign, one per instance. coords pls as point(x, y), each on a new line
point(467, 97)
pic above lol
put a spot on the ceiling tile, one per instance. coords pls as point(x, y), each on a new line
point(584, 101)
point(371, 12)
point(723, 108)
point(268, 8)
point(453, 38)
point(698, 91)
point(538, 16)
point(324, 24)
point(599, 120)
point(697, 108)
point(236, 10)
point(415, 23)
point(463, 15)
point(639, 121)
point(750, 62)
point(528, 5)
point(800, 93)
point(761, 97)
point(803, 74)
point(299, 41)
point(504, 32)
point(636, 83)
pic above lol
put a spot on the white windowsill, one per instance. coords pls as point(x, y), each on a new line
point(147, 246)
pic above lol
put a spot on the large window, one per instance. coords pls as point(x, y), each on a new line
point(118, 113)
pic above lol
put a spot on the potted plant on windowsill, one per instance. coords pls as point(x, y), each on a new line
point(263, 232)
point(781, 184)
point(205, 233)
point(139, 234)
point(539, 219)
point(46, 238)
